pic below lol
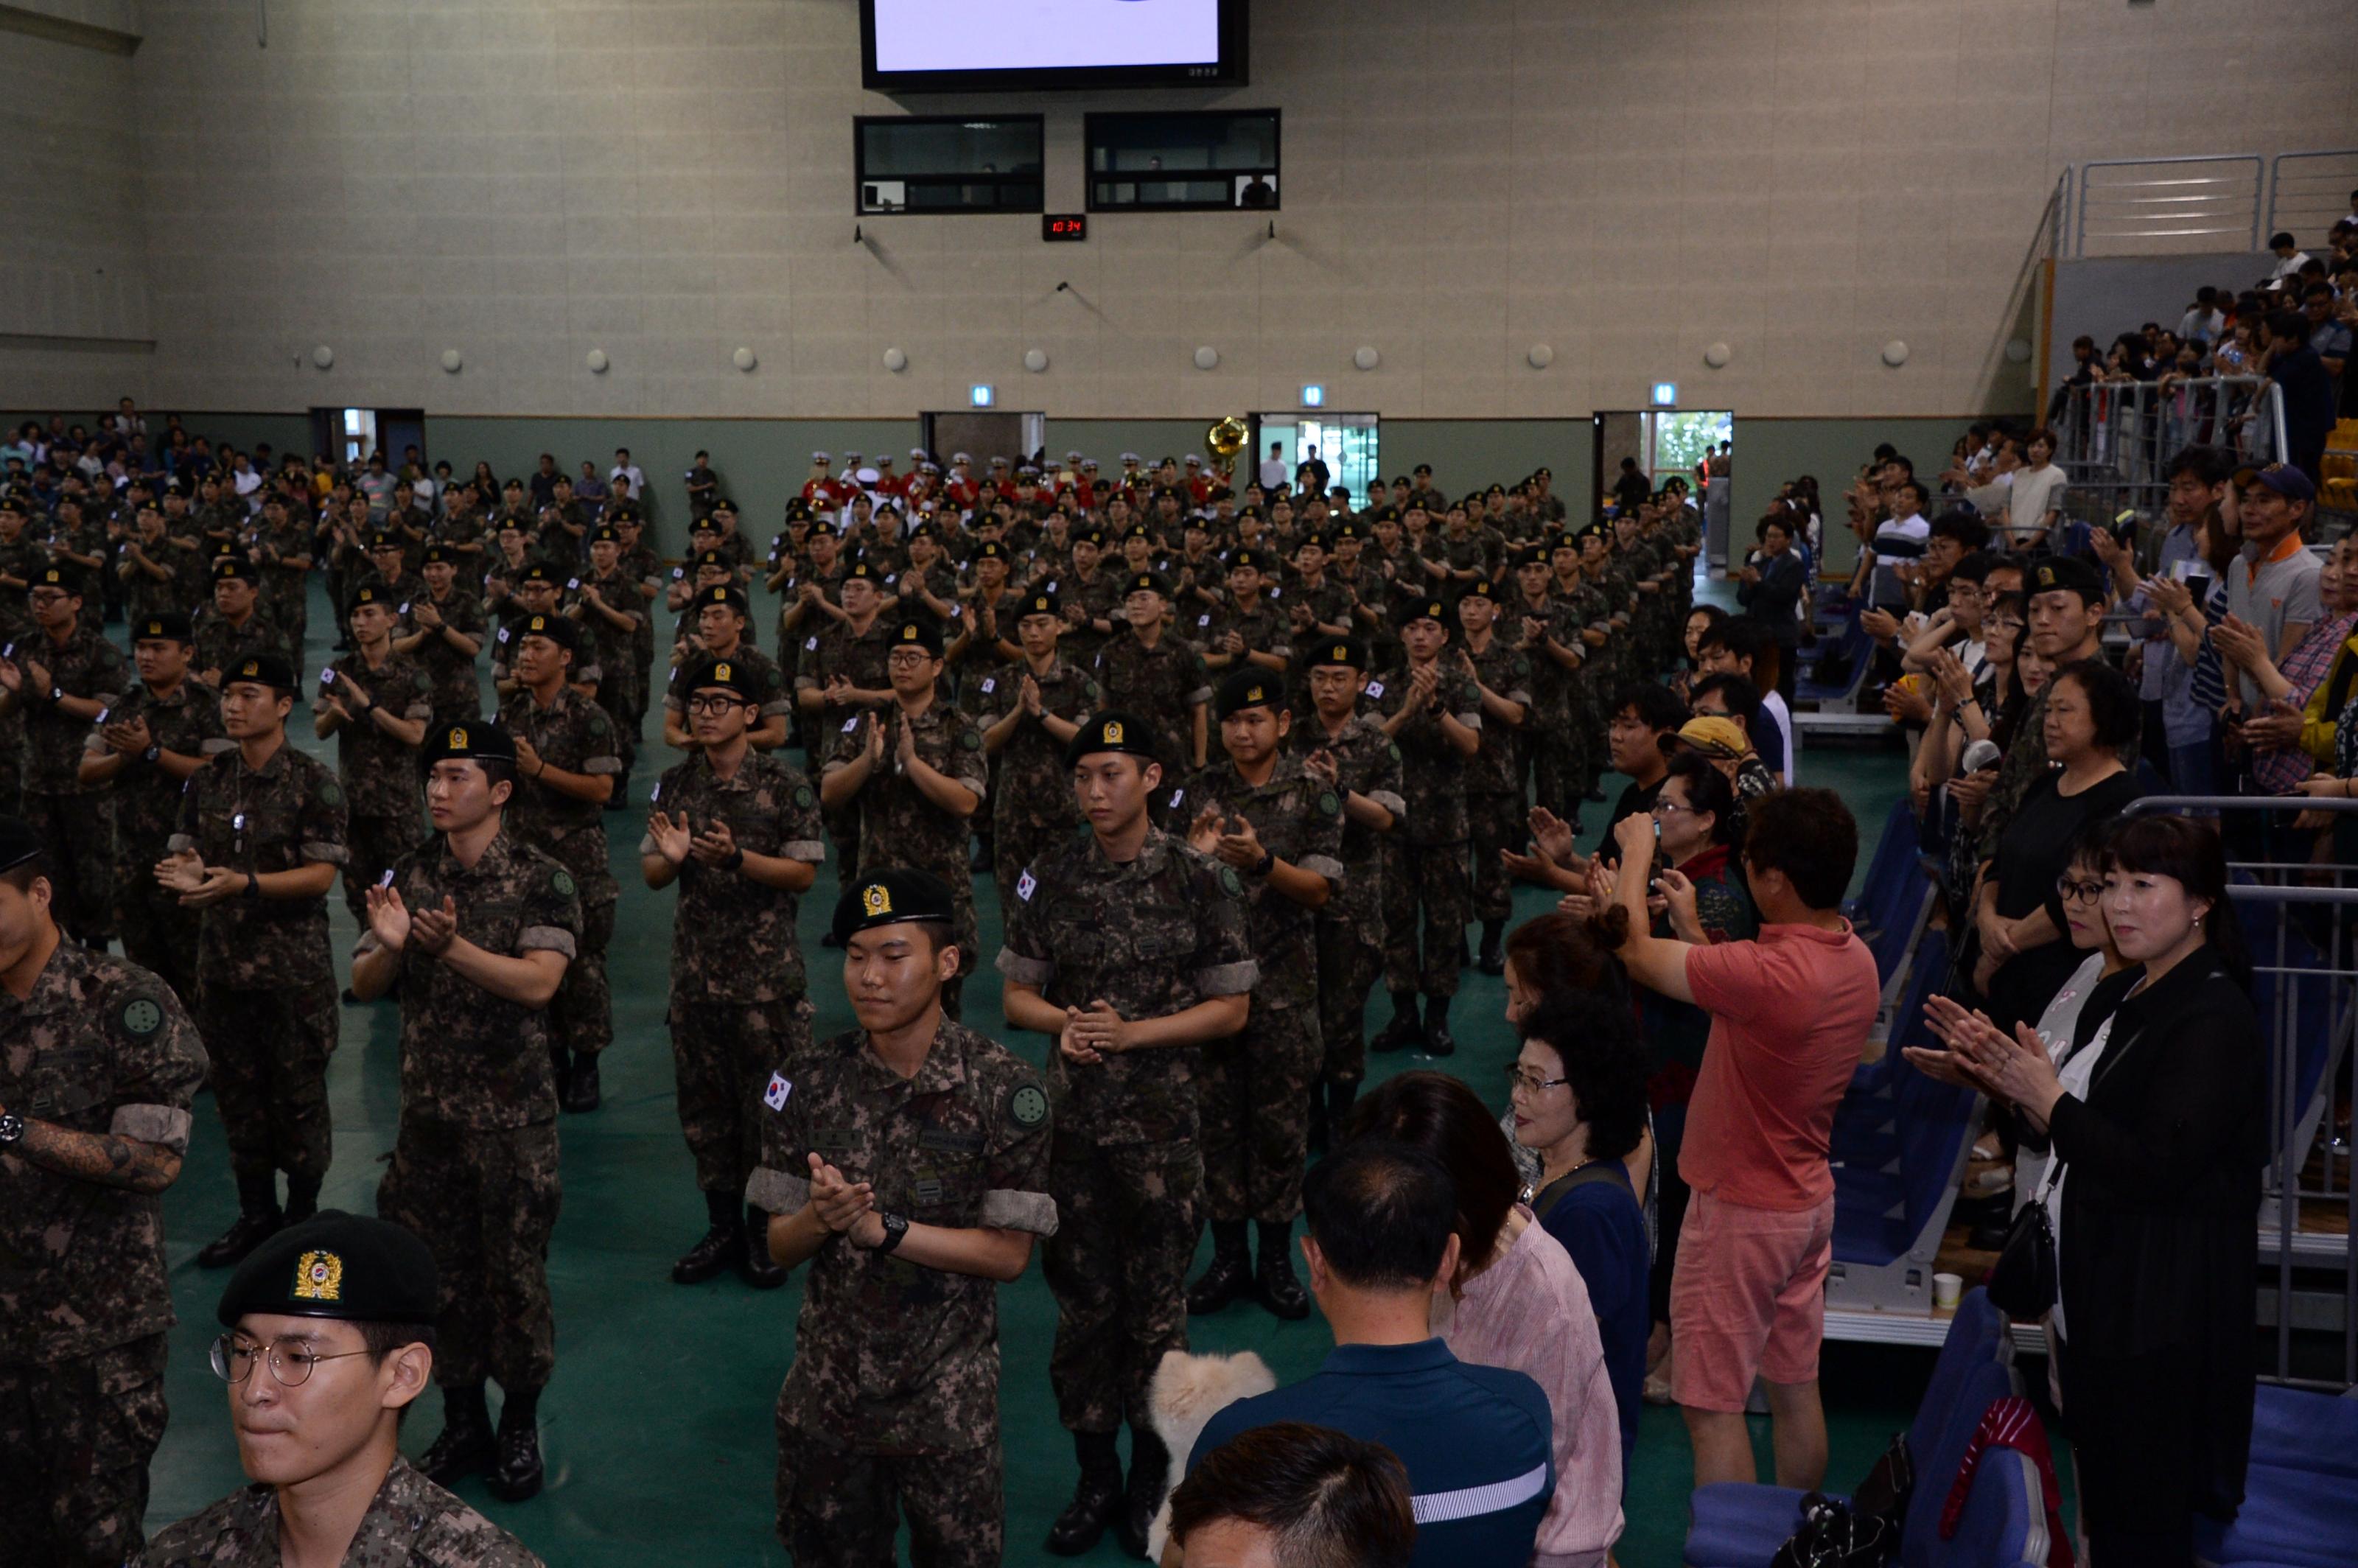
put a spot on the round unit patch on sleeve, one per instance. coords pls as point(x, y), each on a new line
point(971, 741)
point(332, 793)
point(142, 1016)
point(1027, 1105)
point(1230, 883)
point(1329, 805)
point(562, 881)
point(803, 797)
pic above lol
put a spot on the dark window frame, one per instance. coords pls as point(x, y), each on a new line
point(1038, 183)
point(1093, 125)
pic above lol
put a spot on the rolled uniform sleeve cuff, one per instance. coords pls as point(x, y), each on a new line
point(317, 853)
point(774, 1192)
point(811, 851)
point(1200, 696)
point(1472, 720)
point(982, 789)
point(545, 939)
point(646, 844)
point(1228, 979)
point(596, 766)
point(1035, 1212)
point(419, 710)
point(215, 747)
point(1322, 866)
point(168, 1128)
point(777, 709)
point(1389, 801)
point(1520, 696)
point(179, 843)
point(1023, 971)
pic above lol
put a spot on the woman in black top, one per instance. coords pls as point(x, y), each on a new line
point(2159, 1158)
point(2091, 713)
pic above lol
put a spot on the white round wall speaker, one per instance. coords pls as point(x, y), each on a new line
point(1540, 356)
point(1206, 357)
point(743, 359)
point(323, 356)
point(1035, 360)
point(1895, 354)
point(896, 361)
point(1366, 358)
point(452, 360)
point(598, 361)
point(2018, 352)
point(1717, 355)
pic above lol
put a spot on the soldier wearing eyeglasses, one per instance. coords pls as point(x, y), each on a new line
point(98, 1064)
point(330, 1341)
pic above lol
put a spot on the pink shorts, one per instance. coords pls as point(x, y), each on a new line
point(1747, 1296)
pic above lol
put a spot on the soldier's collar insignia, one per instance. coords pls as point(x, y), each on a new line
point(876, 899)
point(319, 1277)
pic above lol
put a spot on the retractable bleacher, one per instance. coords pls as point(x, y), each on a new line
point(2300, 1498)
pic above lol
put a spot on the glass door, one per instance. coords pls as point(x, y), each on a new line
point(1345, 443)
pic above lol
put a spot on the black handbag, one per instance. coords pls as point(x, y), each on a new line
point(2022, 1282)
point(1834, 1535)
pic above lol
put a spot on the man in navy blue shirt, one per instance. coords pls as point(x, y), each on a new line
point(1475, 1440)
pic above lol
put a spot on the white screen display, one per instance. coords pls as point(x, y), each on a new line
point(1037, 35)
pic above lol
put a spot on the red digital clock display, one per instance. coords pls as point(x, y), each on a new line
point(1065, 226)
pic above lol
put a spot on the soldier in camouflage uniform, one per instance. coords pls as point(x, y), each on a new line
point(608, 608)
point(840, 673)
point(907, 1162)
point(1318, 608)
point(1540, 626)
point(155, 572)
point(1161, 678)
point(233, 629)
point(363, 1293)
point(64, 674)
point(1259, 813)
point(1497, 817)
point(1351, 755)
point(376, 703)
point(1028, 712)
point(282, 551)
point(156, 735)
point(98, 1064)
point(640, 563)
point(720, 617)
point(261, 833)
point(739, 831)
point(475, 1168)
point(567, 767)
point(21, 560)
point(1433, 712)
point(1247, 629)
point(448, 639)
point(917, 775)
point(1129, 950)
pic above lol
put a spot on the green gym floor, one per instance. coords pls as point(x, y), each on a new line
point(657, 1427)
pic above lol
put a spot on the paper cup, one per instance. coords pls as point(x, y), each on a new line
point(1946, 1290)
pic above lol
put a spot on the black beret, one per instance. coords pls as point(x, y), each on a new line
point(703, 524)
point(1239, 559)
point(990, 550)
point(19, 843)
point(729, 674)
point(1341, 531)
point(556, 628)
point(171, 626)
point(336, 1265)
point(1348, 651)
point(919, 635)
point(1039, 603)
point(237, 567)
point(712, 558)
point(2067, 574)
point(621, 514)
point(604, 534)
point(863, 571)
point(539, 571)
point(367, 593)
point(1137, 531)
point(1482, 588)
point(439, 555)
point(720, 593)
point(1093, 537)
point(475, 741)
point(888, 898)
point(823, 529)
point(1534, 556)
point(1145, 582)
point(1319, 540)
point(1423, 468)
point(262, 669)
point(1250, 688)
point(725, 504)
point(1595, 531)
point(1425, 609)
point(1112, 731)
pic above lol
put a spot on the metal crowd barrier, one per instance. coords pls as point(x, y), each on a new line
point(2126, 432)
point(2303, 919)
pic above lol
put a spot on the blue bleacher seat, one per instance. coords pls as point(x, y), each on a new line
point(1735, 1525)
point(2004, 1522)
point(2301, 1429)
point(1838, 632)
point(2300, 1499)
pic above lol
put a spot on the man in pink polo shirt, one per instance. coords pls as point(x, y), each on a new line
point(1789, 1014)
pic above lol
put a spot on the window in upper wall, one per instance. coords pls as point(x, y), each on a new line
point(947, 163)
point(1219, 160)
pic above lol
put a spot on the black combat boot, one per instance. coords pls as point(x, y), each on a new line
point(1096, 1501)
point(1149, 1479)
point(580, 1090)
point(754, 1265)
point(1280, 1293)
point(722, 1245)
point(466, 1446)
point(259, 1219)
point(302, 1198)
point(517, 1473)
point(1492, 958)
point(1438, 1041)
point(1403, 1031)
point(1230, 1275)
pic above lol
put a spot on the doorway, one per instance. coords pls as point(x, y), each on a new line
point(984, 434)
point(1345, 443)
point(350, 436)
point(1693, 444)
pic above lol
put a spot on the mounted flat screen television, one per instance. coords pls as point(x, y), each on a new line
point(981, 45)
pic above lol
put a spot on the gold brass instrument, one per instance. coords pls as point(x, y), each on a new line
point(1224, 440)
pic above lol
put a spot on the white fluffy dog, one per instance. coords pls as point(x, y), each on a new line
point(1187, 1391)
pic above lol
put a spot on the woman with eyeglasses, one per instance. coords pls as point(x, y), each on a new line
point(1517, 1302)
point(2023, 959)
point(1577, 1092)
point(2159, 1133)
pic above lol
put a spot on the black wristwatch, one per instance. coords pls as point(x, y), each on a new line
point(12, 1130)
point(1268, 861)
point(151, 753)
point(895, 1228)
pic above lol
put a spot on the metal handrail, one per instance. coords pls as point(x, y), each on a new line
point(2089, 186)
point(2139, 426)
point(2277, 219)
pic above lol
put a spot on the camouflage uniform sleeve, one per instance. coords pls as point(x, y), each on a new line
point(1199, 679)
point(597, 742)
point(776, 699)
point(807, 663)
point(186, 819)
point(1469, 706)
point(159, 1062)
point(110, 674)
point(780, 1180)
point(1023, 955)
point(800, 835)
point(421, 695)
point(1322, 840)
point(844, 746)
point(968, 767)
point(1015, 1161)
point(1223, 963)
point(552, 910)
point(320, 827)
point(1518, 682)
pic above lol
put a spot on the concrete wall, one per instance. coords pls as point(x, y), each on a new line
point(1771, 451)
point(1624, 183)
point(2106, 296)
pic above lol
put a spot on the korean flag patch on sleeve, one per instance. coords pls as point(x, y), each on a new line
point(1376, 689)
point(778, 1093)
point(1025, 885)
